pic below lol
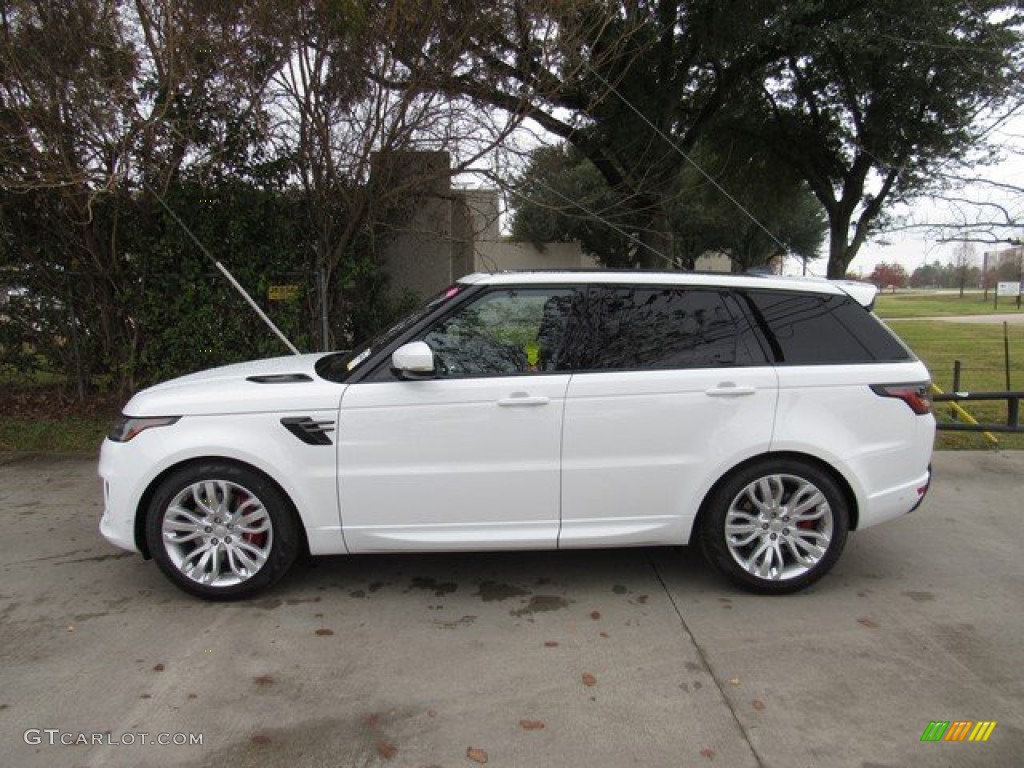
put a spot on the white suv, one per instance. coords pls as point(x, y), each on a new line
point(765, 417)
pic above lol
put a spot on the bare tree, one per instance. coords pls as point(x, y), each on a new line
point(341, 114)
point(963, 260)
point(100, 96)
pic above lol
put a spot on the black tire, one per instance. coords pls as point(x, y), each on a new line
point(770, 549)
point(230, 532)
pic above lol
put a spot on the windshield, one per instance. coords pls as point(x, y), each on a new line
point(339, 366)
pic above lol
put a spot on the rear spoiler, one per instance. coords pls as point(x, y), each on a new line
point(863, 293)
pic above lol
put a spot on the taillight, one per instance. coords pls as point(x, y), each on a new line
point(914, 395)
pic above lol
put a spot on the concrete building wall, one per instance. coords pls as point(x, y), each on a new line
point(496, 256)
point(454, 232)
point(419, 253)
point(713, 262)
point(483, 206)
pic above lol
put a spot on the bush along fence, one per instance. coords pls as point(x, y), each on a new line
point(128, 297)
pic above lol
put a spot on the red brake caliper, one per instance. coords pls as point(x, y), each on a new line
point(256, 539)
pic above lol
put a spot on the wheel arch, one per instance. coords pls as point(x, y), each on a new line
point(829, 469)
point(142, 510)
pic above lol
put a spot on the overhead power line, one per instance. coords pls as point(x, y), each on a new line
point(224, 271)
point(632, 238)
point(668, 139)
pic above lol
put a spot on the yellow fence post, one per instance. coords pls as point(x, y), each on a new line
point(962, 413)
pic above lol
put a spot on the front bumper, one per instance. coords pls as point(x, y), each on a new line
point(117, 525)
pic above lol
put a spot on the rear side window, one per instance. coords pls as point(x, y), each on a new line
point(637, 328)
point(810, 329)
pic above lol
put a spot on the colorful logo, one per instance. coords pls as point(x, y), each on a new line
point(958, 730)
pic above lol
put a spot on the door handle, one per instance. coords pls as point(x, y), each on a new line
point(729, 389)
point(522, 398)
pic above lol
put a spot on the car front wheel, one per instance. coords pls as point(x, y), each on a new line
point(776, 527)
point(221, 531)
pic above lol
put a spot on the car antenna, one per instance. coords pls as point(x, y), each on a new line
point(224, 271)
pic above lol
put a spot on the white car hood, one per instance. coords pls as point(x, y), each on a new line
point(242, 388)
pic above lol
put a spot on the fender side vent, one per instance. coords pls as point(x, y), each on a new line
point(279, 378)
point(309, 431)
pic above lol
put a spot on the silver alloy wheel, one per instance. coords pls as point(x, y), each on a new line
point(779, 527)
point(217, 533)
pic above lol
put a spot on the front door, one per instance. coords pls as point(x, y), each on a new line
point(469, 459)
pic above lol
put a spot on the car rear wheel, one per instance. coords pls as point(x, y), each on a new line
point(221, 531)
point(776, 527)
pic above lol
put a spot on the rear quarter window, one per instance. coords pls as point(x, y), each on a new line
point(816, 329)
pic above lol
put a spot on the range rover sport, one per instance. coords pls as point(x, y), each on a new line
point(762, 418)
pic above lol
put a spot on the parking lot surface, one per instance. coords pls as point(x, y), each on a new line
point(601, 658)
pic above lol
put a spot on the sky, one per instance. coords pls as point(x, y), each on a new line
point(915, 247)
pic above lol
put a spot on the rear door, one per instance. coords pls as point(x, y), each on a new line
point(678, 389)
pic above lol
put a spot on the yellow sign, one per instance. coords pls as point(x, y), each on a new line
point(283, 292)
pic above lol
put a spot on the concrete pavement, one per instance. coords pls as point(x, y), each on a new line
point(607, 658)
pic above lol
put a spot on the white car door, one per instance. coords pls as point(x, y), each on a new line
point(678, 392)
point(469, 459)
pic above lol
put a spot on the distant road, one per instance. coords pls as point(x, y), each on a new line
point(1012, 319)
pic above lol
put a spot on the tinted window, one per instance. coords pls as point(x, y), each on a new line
point(809, 328)
point(662, 327)
point(507, 332)
point(872, 333)
point(341, 365)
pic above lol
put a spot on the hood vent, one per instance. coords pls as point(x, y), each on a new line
point(309, 431)
point(279, 378)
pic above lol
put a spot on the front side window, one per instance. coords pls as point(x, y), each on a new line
point(341, 365)
point(637, 328)
point(507, 332)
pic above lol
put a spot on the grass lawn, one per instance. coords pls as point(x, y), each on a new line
point(66, 434)
point(40, 413)
point(934, 304)
point(979, 348)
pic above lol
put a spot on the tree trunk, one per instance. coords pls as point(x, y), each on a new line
point(658, 244)
point(838, 247)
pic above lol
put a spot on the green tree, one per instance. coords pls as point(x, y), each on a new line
point(99, 102)
point(873, 106)
point(561, 196)
point(629, 85)
point(927, 276)
point(869, 102)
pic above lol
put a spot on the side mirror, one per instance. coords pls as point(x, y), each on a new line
point(414, 360)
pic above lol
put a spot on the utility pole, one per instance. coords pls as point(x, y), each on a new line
point(984, 274)
point(1016, 241)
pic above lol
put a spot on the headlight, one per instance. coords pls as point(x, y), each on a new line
point(128, 427)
